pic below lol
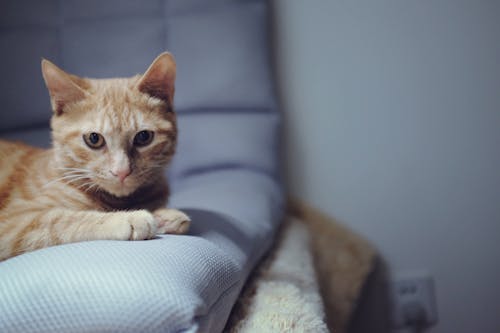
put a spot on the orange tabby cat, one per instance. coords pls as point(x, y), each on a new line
point(104, 176)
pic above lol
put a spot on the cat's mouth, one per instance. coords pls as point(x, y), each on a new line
point(116, 187)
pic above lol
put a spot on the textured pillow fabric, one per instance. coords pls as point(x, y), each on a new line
point(224, 175)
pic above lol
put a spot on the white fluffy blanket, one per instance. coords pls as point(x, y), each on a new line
point(282, 295)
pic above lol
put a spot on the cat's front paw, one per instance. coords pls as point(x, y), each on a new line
point(143, 225)
point(172, 221)
point(135, 225)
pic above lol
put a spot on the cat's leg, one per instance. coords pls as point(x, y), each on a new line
point(121, 225)
point(171, 221)
point(43, 228)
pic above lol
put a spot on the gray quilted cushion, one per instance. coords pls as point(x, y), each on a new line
point(218, 46)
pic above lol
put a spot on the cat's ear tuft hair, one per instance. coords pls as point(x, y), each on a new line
point(159, 79)
point(63, 87)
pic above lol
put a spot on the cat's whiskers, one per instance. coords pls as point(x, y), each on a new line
point(70, 177)
point(86, 186)
point(78, 169)
point(95, 185)
point(66, 171)
point(76, 179)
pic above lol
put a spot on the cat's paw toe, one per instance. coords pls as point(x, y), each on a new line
point(143, 225)
point(172, 221)
point(136, 225)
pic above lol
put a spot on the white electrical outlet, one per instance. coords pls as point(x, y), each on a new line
point(413, 300)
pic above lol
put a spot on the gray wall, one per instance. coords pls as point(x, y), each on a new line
point(393, 127)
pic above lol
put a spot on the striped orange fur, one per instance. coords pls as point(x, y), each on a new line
point(104, 176)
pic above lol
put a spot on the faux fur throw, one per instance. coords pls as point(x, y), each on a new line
point(282, 295)
point(314, 259)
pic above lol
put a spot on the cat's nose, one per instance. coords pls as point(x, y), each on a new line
point(121, 174)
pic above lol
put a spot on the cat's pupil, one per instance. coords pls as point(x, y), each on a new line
point(94, 138)
point(143, 138)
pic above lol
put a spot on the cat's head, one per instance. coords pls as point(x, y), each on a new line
point(113, 134)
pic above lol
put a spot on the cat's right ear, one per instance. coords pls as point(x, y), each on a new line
point(158, 81)
point(62, 88)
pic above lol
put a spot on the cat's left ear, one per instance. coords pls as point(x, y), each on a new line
point(63, 88)
point(159, 79)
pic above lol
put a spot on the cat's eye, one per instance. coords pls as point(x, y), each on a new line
point(143, 138)
point(94, 140)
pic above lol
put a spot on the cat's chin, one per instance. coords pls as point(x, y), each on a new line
point(118, 190)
